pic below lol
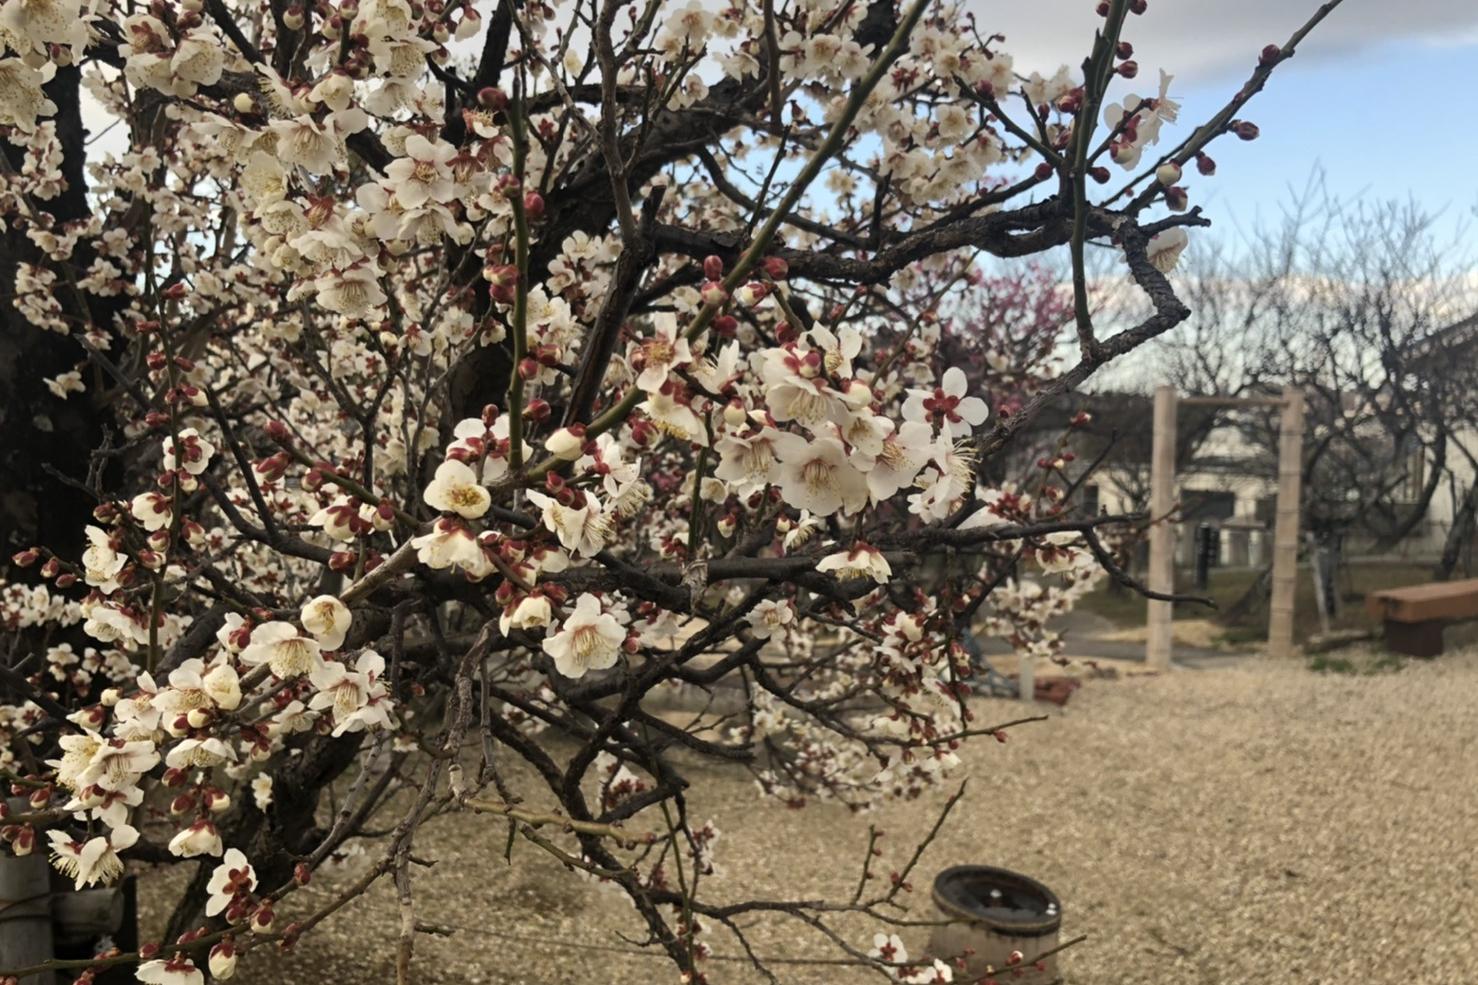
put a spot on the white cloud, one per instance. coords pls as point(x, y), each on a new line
point(1206, 40)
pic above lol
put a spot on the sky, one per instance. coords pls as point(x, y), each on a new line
point(1374, 98)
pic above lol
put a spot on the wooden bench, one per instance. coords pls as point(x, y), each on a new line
point(1414, 616)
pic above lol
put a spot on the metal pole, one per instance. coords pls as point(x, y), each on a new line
point(1285, 529)
point(1162, 533)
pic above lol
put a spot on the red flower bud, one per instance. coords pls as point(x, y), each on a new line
point(713, 267)
point(533, 204)
point(1245, 129)
point(1271, 55)
point(493, 98)
point(777, 268)
point(1128, 69)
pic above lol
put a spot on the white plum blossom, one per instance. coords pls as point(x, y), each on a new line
point(281, 647)
point(177, 970)
point(194, 453)
point(658, 354)
point(816, 475)
point(328, 619)
point(1166, 246)
point(455, 489)
point(583, 530)
point(948, 406)
point(200, 838)
point(589, 639)
point(859, 561)
point(232, 878)
point(94, 861)
point(769, 616)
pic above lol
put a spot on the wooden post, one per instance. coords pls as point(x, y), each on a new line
point(1162, 533)
point(25, 908)
point(1285, 529)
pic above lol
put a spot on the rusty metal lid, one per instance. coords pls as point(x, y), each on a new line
point(1004, 901)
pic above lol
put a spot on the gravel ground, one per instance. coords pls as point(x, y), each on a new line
point(1261, 823)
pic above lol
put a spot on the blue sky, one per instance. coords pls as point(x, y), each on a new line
point(1376, 95)
point(1384, 122)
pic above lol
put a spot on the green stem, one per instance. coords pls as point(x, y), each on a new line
point(519, 321)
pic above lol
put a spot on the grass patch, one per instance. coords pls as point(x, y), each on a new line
point(1126, 608)
point(1325, 664)
point(1368, 663)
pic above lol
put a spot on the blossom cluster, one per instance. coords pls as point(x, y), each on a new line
point(474, 379)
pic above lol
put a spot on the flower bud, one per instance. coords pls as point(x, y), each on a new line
point(752, 293)
point(713, 267)
point(223, 960)
point(1129, 69)
point(1205, 164)
point(1271, 55)
point(533, 204)
point(713, 293)
point(566, 444)
point(1168, 173)
point(244, 103)
point(1245, 129)
point(1177, 199)
point(262, 920)
point(776, 268)
point(493, 98)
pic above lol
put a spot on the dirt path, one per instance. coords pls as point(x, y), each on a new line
point(1259, 823)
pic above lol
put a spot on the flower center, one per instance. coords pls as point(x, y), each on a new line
point(816, 474)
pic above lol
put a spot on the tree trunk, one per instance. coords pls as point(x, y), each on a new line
point(1459, 535)
point(48, 440)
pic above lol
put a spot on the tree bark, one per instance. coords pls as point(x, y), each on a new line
point(1459, 535)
